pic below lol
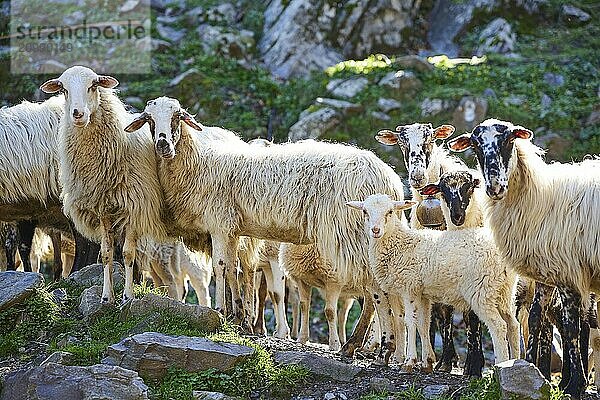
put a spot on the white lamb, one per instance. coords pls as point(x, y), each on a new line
point(544, 218)
point(461, 268)
point(214, 182)
point(109, 178)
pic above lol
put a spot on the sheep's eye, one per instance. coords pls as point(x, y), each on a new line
point(390, 212)
point(92, 88)
point(63, 91)
point(365, 212)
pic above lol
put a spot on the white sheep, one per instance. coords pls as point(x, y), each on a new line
point(109, 178)
point(289, 192)
point(544, 218)
point(461, 268)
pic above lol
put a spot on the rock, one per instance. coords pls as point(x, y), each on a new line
point(17, 286)
point(387, 105)
point(522, 380)
point(344, 106)
point(381, 116)
point(191, 74)
point(469, 112)
point(90, 302)
point(497, 37)
point(151, 354)
point(514, 100)
point(201, 317)
point(59, 295)
point(312, 125)
point(222, 13)
point(318, 365)
point(93, 274)
point(59, 357)
point(226, 41)
point(413, 62)
point(51, 67)
point(546, 103)
point(75, 18)
point(594, 117)
point(435, 391)
point(202, 395)
point(401, 81)
point(573, 15)
point(129, 5)
point(377, 384)
point(334, 396)
point(300, 36)
point(554, 80)
point(490, 93)
point(430, 107)
point(556, 145)
point(171, 34)
point(347, 88)
point(55, 381)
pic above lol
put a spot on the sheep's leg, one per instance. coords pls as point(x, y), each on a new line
point(86, 252)
point(304, 291)
point(538, 322)
point(423, 323)
point(107, 251)
point(249, 308)
point(67, 264)
point(570, 312)
point(498, 330)
point(343, 312)
point(399, 328)
point(200, 283)
point(26, 231)
point(513, 332)
point(129, 249)
point(594, 341)
point(445, 320)
point(357, 339)
point(276, 287)
point(410, 317)
point(58, 267)
point(474, 362)
point(294, 301)
point(261, 294)
point(388, 336)
point(11, 243)
point(224, 257)
point(332, 295)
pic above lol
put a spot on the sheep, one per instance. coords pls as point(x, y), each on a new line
point(286, 192)
point(109, 178)
point(461, 268)
point(425, 162)
point(544, 220)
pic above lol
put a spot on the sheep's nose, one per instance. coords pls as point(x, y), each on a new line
point(375, 230)
point(162, 144)
point(77, 114)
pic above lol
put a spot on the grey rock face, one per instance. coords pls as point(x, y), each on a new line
point(226, 41)
point(401, 81)
point(90, 302)
point(312, 125)
point(344, 106)
point(204, 318)
point(431, 107)
point(497, 37)
point(59, 357)
point(435, 391)
point(347, 88)
point(55, 381)
point(522, 380)
point(169, 33)
point(202, 395)
point(387, 105)
point(152, 354)
point(93, 275)
point(573, 15)
point(318, 365)
point(17, 286)
point(554, 80)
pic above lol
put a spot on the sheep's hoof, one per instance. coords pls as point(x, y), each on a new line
point(335, 347)
point(408, 366)
point(107, 300)
point(380, 361)
point(443, 367)
point(427, 369)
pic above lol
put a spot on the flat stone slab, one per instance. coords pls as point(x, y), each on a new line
point(152, 354)
point(53, 381)
point(17, 286)
point(318, 365)
point(93, 274)
point(521, 380)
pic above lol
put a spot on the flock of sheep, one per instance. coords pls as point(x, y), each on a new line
point(325, 215)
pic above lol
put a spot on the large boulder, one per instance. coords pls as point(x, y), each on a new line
point(152, 354)
point(53, 381)
point(90, 302)
point(301, 36)
point(521, 380)
point(318, 365)
point(313, 124)
point(347, 88)
point(201, 317)
point(17, 286)
point(497, 37)
point(93, 274)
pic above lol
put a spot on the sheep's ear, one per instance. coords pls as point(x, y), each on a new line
point(521, 133)
point(430, 190)
point(476, 182)
point(137, 123)
point(385, 136)
point(443, 131)
point(403, 205)
point(460, 143)
point(51, 86)
point(359, 205)
point(190, 121)
point(107, 81)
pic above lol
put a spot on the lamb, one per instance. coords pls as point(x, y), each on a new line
point(425, 162)
point(285, 192)
point(544, 220)
point(109, 179)
point(461, 268)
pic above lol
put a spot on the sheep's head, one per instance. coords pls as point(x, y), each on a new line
point(164, 115)
point(416, 142)
point(457, 190)
point(493, 143)
point(379, 210)
point(80, 87)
